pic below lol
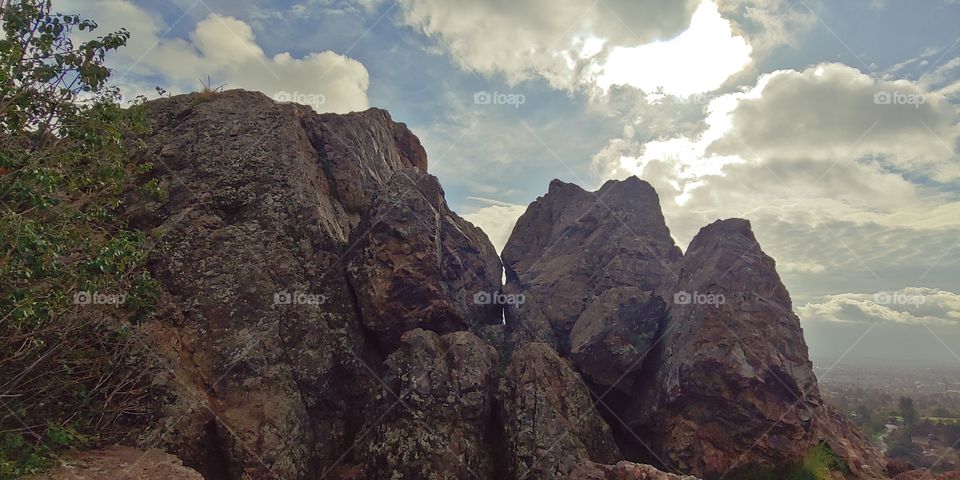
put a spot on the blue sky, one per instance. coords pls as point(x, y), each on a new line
point(764, 109)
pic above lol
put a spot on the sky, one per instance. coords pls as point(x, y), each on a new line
point(832, 125)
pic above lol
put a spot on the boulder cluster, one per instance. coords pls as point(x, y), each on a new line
point(325, 315)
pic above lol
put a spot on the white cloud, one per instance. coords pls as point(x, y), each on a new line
point(698, 60)
point(225, 49)
point(683, 46)
point(911, 305)
point(496, 220)
point(835, 112)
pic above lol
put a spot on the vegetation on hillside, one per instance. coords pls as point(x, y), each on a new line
point(71, 273)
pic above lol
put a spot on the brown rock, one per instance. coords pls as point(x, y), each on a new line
point(733, 387)
point(436, 407)
point(418, 264)
point(571, 245)
point(622, 471)
point(276, 360)
point(614, 334)
point(120, 463)
point(549, 420)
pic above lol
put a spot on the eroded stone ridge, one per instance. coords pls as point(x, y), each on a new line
point(320, 311)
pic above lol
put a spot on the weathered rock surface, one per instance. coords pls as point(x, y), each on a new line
point(437, 409)
point(923, 474)
point(417, 264)
point(732, 385)
point(549, 420)
point(571, 246)
point(276, 347)
point(326, 315)
point(120, 463)
point(614, 334)
point(622, 471)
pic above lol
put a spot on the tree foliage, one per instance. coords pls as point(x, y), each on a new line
point(71, 371)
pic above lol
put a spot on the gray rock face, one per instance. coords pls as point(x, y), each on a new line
point(277, 348)
point(327, 315)
point(437, 406)
point(571, 246)
point(418, 264)
point(548, 417)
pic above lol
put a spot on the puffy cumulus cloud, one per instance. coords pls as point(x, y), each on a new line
point(225, 49)
point(698, 60)
point(570, 46)
point(912, 306)
point(496, 220)
point(805, 147)
point(768, 24)
point(835, 112)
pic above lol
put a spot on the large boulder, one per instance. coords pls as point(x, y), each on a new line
point(418, 264)
point(732, 387)
point(276, 348)
point(436, 408)
point(571, 246)
point(549, 419)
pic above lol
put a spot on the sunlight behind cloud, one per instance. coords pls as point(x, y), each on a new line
point(698, 60)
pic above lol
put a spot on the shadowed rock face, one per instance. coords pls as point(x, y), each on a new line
point(575, 255)
point(437, 406)
point(548, 417)
point(418, 264)
point(319, 309)
point(732, 387)
point(277, 347)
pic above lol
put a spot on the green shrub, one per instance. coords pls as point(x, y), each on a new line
point(72, 375)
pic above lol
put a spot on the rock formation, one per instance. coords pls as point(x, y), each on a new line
point(324, 314)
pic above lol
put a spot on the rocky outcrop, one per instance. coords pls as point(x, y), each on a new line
point(549, 420)
point(697, 360)
point(732, 387)
point(326, 315)
point(417, 264)
point(120, 463)
point(622, 471)
point(437, 409)
point(290, 263)
point(732, 384)
point(571, 246)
